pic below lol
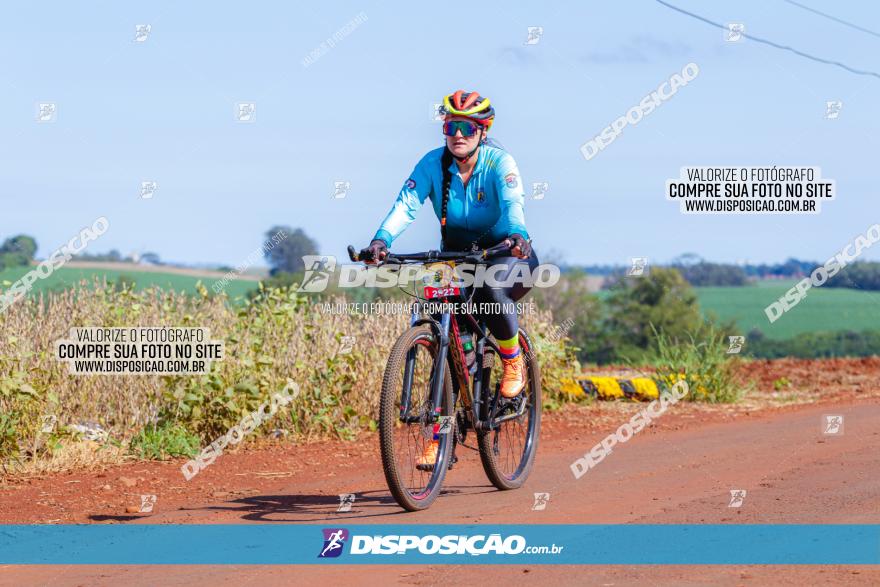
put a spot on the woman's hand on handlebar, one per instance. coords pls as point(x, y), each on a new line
point(520, 247)
point(375, 252)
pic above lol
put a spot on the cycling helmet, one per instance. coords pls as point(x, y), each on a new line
point(470, 105)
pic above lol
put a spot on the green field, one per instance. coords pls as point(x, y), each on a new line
point(822, 309)
point(66, 277)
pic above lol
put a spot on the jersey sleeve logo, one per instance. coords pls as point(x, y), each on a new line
point(511, 180)
point(410, 184)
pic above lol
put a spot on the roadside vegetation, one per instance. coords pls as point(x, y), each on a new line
point(651, 323)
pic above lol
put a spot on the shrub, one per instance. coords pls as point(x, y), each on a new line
point(702, 361)
point(160, 442)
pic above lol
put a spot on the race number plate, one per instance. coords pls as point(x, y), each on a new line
point(432, 293)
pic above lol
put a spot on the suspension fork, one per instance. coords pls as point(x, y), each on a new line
point(409, 367)
point(440, 366)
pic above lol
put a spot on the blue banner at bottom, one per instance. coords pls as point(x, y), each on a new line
point(295, 544)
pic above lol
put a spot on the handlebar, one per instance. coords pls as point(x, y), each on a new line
point(475, 255)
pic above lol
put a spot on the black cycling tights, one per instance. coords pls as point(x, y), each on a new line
point(503, 320)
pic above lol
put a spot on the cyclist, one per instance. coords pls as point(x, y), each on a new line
point(477, 194)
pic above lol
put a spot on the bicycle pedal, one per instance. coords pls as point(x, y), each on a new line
point(430, 467)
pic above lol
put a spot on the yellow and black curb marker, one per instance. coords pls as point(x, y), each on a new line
point(608, 388)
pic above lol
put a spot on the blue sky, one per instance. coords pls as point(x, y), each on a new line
point(163, 110)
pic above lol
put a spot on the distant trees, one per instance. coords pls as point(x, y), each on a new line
point(17, 251)
point(621, 326)
point(705, 274)
point(284, 249)
point(662, 300)
point(790, 268)
point(860, 275)
point(151, 258)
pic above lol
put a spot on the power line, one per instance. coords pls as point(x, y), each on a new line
point(772, 44)
point(834, 18)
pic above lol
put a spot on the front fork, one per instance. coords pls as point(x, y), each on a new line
point(437, 377)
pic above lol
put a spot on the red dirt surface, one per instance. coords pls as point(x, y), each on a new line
point(679, 470)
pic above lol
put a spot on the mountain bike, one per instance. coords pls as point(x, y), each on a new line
point(436, 388)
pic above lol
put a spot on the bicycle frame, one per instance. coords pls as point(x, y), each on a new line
point(473, 394)
point(447, 332)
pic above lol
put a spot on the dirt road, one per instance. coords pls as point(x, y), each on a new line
point(680, 471)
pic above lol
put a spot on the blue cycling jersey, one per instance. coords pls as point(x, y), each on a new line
point(489, 209)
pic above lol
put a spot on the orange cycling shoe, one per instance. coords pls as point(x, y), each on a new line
point(514, 378)
point(429, 456)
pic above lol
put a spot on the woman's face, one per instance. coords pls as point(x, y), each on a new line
point(461, 145)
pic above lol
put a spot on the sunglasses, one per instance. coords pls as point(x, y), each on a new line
point(467, 128)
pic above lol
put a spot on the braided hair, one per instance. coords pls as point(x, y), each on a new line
point(445, 162)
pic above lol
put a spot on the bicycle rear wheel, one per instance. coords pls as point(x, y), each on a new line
point(406, 420)
point(508, 452)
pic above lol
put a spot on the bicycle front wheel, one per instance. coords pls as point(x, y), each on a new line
point(407, 420)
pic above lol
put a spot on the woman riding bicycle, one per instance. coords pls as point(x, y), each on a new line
point(477, 194)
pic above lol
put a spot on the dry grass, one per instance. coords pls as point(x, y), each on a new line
point(278, 337)
point(73, 455)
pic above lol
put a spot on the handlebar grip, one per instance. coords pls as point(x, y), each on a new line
point(503, 247)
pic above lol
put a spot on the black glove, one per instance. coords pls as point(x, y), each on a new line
point(377, 251)
point(521, 247)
